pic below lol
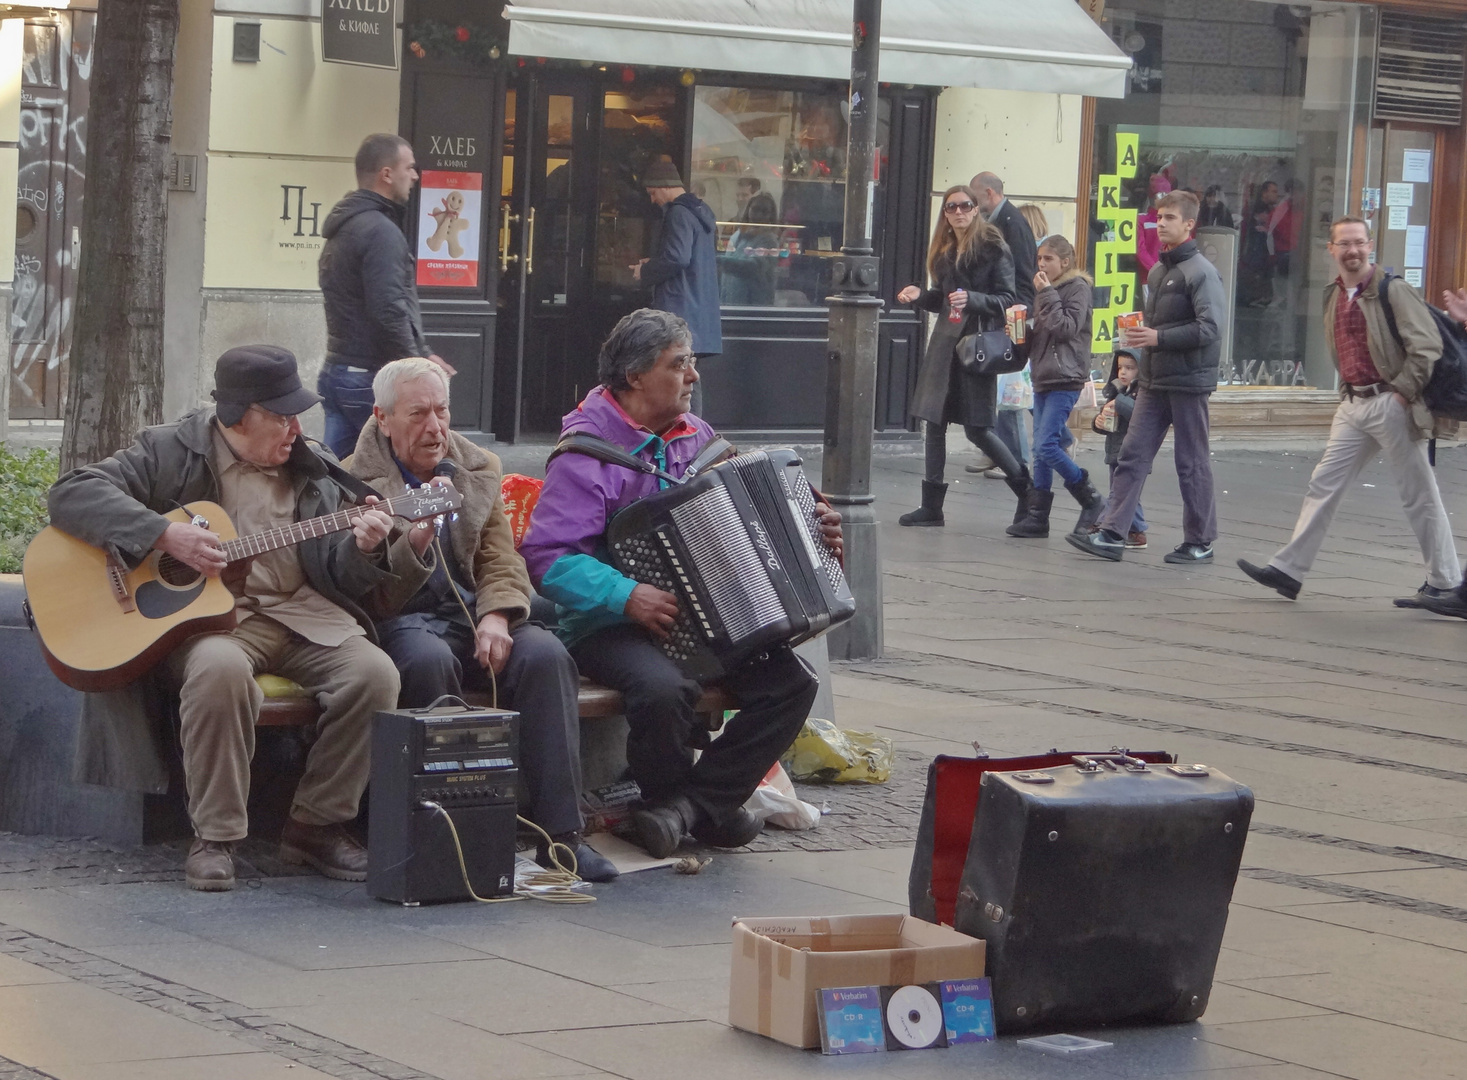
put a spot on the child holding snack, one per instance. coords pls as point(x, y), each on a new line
point(1112, 421)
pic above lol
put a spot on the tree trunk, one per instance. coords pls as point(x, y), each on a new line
point(116, 384)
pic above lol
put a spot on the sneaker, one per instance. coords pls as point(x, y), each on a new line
point(983, 465)
point(1189, 553)
point(1273, 578)
point(995, 473)
point(1135, 541)
point(1101, 543)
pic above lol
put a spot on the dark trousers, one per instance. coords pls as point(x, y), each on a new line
point(984, 438)
point(774, 690)
point(1156, 411)
point(539, 681)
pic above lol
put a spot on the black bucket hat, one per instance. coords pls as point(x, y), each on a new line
point(263, 375)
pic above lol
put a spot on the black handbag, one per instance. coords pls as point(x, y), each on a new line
point(991, 352)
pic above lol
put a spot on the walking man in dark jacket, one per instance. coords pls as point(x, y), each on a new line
point(684, 272)
point(1179, 360)
point(368, 278)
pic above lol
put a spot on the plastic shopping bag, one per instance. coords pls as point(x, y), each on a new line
point(1016, 390)
point(774, 801)
point(823, 752)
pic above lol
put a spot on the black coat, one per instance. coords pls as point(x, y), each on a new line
point(1186, 307)
point(684, 272)
point(368, 278)
point(1020, 239)
point(945, 394)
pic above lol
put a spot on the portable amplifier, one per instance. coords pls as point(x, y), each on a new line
point(466, 760)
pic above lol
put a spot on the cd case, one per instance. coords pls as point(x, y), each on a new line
point(967, 1010)
point(1064, 1044)
point(850, 1020)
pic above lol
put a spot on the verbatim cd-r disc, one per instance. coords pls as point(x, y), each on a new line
point(914, 1019)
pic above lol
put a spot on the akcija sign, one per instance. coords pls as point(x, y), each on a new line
point(362, 32)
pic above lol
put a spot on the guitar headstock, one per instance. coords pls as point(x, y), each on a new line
point(425, 502)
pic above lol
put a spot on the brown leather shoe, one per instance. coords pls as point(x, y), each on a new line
point(210, 865)
point(328, 848)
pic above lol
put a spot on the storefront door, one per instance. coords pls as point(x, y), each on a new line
point(1396, 197)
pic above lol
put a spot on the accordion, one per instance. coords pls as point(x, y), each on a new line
point(740, 547)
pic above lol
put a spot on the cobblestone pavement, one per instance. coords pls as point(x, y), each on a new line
point(1346, 950)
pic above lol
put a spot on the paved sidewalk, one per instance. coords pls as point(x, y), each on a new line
point(1346, 951)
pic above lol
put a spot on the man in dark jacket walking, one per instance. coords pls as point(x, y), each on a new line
point(368, 278)
point(1005, 216)
point(684, 272)
point(1179, 361)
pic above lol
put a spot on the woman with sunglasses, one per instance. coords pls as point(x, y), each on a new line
point(972, 274)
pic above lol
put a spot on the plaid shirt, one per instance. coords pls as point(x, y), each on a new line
point(1352, 339)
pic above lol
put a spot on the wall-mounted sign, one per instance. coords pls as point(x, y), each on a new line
point(1122, 221)
point(450, 205)
point(362, 32)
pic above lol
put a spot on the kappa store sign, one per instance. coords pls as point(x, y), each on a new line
point(362, 32)
point(448, 228)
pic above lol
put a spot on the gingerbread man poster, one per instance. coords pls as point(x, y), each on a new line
point(448, 228)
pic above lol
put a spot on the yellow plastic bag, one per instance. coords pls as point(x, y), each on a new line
point(824, 753)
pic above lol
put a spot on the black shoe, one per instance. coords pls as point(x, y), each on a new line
point(1426, 592)
point(930, 512)
point(734, 830)
point(661, 826)
point(1102, 543)
point(1035, 522)
point(591, 865)
point(1189, 553)
point(1274, 578)
point(1451, 603)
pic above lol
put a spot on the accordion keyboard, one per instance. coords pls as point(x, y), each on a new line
point(643, 557)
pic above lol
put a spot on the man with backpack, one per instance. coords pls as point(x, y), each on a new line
point(1385, 342)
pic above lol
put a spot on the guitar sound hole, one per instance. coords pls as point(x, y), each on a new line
point(175, 573)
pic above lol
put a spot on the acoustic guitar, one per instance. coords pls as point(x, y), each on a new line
point(102, 625)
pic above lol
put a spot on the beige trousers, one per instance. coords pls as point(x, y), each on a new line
point(219, 702)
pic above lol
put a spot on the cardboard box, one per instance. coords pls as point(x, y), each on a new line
point(779, 964)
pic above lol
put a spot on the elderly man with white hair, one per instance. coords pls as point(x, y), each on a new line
point(471, 618)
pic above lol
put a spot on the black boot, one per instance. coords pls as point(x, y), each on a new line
point(930, 512)
point(1020, 485)
point(1035, 522)
point(661, 826)
point(1092, 502)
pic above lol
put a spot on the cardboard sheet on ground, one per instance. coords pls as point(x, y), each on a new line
point(626, 857)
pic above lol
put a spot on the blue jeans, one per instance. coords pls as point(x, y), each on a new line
point(1051, 417)
point(346, 398)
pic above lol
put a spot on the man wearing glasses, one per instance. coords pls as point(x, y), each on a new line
point(1381, 379)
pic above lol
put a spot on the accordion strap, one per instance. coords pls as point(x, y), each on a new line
point(604, 450)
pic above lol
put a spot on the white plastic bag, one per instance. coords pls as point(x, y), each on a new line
point(774, 802)
point(1016, 390)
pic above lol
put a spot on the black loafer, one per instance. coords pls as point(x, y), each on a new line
point(1189, 553)
point(591, 865)
point(1423, 594)
point(1450, 604)
point(1274, 578)
point(1101, 543)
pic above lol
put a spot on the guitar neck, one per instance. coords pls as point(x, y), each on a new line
point(245, 547)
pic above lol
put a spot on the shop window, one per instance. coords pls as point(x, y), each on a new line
point(772, 166)
point(637, 129)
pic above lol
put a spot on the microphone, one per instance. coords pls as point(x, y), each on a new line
point(445, 468)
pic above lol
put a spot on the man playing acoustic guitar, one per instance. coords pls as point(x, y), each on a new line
point(302, 609)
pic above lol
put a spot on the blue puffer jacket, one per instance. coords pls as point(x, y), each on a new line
point(684, 272)
point(565, 549)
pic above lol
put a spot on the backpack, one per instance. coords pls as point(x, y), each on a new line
point(1445, 393)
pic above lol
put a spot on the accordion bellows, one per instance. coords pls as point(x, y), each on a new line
point(741, 549)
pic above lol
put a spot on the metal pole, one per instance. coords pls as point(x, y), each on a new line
point(850, 388)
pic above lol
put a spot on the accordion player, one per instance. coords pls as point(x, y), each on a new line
point(618, 629)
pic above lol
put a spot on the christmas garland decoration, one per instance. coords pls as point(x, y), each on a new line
point(466, 43)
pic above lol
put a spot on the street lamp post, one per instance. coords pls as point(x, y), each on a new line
point(850, 387)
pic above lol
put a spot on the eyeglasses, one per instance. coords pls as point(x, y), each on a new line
point(958, 207)
point(1347, 244)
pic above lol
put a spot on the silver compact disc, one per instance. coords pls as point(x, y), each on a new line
point(914, 1017)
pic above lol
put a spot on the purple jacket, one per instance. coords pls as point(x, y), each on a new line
point(565, 548)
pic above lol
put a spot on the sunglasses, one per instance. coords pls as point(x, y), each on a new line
point(958, 207)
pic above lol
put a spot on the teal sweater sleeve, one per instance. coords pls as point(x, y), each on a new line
point(585, 583)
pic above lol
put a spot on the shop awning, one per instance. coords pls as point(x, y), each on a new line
point(1048, 46)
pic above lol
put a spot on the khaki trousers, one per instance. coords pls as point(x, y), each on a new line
point(1362, 428)
point(219, 703)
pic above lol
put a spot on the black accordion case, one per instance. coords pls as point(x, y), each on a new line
point(1102, 888)
point(741, 549)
